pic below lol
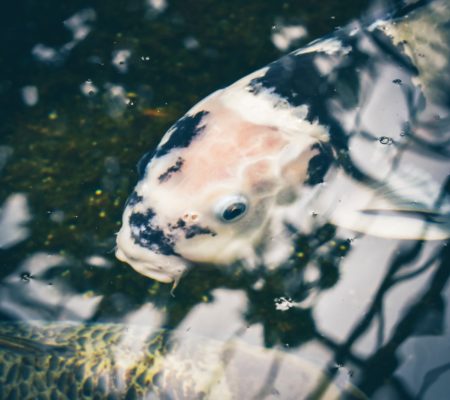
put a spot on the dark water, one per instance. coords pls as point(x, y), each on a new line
point(88, 87)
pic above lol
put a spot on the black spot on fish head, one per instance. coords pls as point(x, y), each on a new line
point(146, 233)
point(180, 224)
point(296, 80)
point(164, 177)
point(191, 230)
point(195, 230)
point(143, 162)
point(133, 199)
point(182, 133)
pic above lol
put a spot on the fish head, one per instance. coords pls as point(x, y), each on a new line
point(208, 191)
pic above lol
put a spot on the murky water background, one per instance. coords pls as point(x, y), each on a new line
point(87, 88)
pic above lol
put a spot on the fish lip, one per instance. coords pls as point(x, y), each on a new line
point(161, 267)
point(153, 270)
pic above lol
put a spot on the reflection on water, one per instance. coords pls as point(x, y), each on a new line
point(13, 219)
point(84, 99)
point(79, 26)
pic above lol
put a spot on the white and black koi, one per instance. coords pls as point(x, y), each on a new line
point(343, 131)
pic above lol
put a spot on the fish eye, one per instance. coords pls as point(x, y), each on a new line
point(231, 208)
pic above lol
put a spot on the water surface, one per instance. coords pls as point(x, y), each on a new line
point(86, 88)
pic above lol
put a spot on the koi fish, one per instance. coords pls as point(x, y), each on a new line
point(115, 361)
point(344, 131)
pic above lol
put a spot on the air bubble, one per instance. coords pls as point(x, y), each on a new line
point(385, 140)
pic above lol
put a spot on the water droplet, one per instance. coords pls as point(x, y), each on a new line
point(385, 140)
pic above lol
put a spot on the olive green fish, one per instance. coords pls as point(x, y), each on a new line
point(64, 360)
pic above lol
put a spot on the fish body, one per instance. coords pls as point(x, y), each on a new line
point(306, 140)
point(63, 360)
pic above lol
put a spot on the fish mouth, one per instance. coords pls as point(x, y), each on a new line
point(152, 259)
point(165, 269)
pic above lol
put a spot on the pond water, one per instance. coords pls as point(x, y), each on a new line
point(88, 87)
